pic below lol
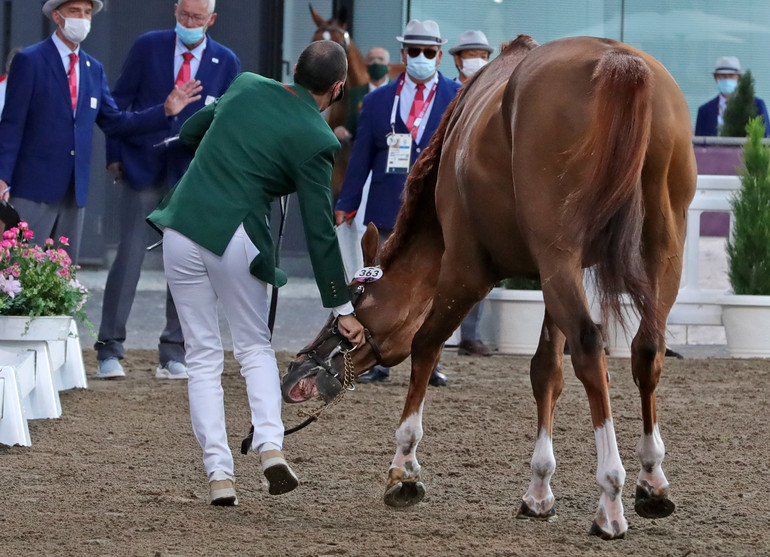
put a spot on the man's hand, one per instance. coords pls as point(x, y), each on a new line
point(5, 191)
point(343, 216)
point(181, 96)
point(116, 170)
point(352, 329)
point(341, 133)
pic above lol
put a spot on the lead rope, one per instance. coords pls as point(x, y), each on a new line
point(348, 384)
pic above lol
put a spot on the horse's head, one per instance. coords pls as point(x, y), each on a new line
point(322, 368)
point(334, 29)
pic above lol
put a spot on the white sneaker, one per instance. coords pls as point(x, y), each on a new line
point(171, 370)
point(222, 493)
point(280, 478)
point(110, 368)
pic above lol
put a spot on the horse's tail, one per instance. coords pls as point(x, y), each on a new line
point(610, 202)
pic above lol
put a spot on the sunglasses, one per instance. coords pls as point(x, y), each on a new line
point(414, 52)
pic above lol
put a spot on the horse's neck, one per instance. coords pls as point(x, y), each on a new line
point(357, 74)
point(417, 267)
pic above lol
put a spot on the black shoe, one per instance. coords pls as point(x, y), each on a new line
point(378, 374)
point(473, 348)
point(438, 379)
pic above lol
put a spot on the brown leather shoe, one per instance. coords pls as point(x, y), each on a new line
point(473, 348)
point(223, 493)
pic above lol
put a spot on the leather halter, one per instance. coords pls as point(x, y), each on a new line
point(333, 331)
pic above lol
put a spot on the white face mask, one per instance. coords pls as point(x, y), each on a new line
point(472, 65)
point(75, 29)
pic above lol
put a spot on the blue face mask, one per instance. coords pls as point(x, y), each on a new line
point(727, 86)
point(420, 67)
point(189, 35)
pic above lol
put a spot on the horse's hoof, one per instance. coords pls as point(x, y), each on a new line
point(404, 494)
point(648, 505)
point(525, 512)
point(597, 530)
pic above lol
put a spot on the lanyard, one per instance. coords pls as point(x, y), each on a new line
point(418, 120)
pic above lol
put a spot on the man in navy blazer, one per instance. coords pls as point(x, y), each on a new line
point(147, 168)
point(393, 107)
point(56, 92)
point(726, 74)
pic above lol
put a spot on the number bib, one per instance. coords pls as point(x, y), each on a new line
point(368, 274)
point(399, 153)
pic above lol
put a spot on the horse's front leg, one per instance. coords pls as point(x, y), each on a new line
point(547, 383)
point(449, 308)
point(404, 486)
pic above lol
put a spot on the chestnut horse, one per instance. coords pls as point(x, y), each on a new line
point(552, 159)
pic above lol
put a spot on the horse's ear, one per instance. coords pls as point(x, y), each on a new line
point(342, 17)
point(370, 244)
point(317, 18)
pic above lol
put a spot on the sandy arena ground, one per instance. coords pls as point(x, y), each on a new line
point(120, 472)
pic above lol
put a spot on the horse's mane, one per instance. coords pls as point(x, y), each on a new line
point(418, 208)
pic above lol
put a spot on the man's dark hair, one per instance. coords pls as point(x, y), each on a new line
point(321, 65)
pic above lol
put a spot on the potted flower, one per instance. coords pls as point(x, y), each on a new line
point(39, 290)
point(516, 310)
point(746, 313)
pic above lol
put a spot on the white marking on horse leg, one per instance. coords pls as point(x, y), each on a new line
point(539, 497)
point(610, 475)
point(651, 452)
point(408, 435)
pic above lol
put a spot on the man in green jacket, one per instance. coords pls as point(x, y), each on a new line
point(259, 141)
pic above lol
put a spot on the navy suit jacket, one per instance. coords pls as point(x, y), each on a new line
point(44, 147)
point(706, 123)
point(370, 152)
point(146, 79)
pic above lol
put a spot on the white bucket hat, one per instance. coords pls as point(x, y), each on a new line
point(471, 40)
point(422, 32)
point(727, 64)
point(50, 5)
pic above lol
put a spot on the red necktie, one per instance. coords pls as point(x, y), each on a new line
point(73, 78)
point(419, 101)
point(184, 72)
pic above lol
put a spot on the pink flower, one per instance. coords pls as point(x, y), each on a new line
point(10, 286)
point(23, 225)
point(28, 234)
point(6, 244)
point(48, 242)
point(64, 273)
point(63, 240)
point(8, 234)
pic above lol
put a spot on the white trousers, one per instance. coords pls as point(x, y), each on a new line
point(197, 279)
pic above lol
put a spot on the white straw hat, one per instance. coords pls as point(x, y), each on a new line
point(422, 32)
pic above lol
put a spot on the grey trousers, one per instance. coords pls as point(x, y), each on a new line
point(122, 280)
point(53, 220)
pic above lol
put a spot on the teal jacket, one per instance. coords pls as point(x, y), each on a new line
point(257, 142)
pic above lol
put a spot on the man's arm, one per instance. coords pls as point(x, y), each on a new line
point(360, 164)
point(125, 93)
point(18, 98)
point(195, 127)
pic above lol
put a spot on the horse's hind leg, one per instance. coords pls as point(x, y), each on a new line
point(647, 365)
point(547, 383)
point(567, 305)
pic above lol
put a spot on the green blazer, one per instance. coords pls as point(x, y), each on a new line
point(257, 142)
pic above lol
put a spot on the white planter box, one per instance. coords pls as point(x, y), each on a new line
point(40, 328)
point(747, 322)
point(515, 320)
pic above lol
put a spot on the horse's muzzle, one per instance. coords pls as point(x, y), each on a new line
point(310, 377)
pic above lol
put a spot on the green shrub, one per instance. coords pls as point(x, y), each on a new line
point(740, 108)
point(748, 249)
